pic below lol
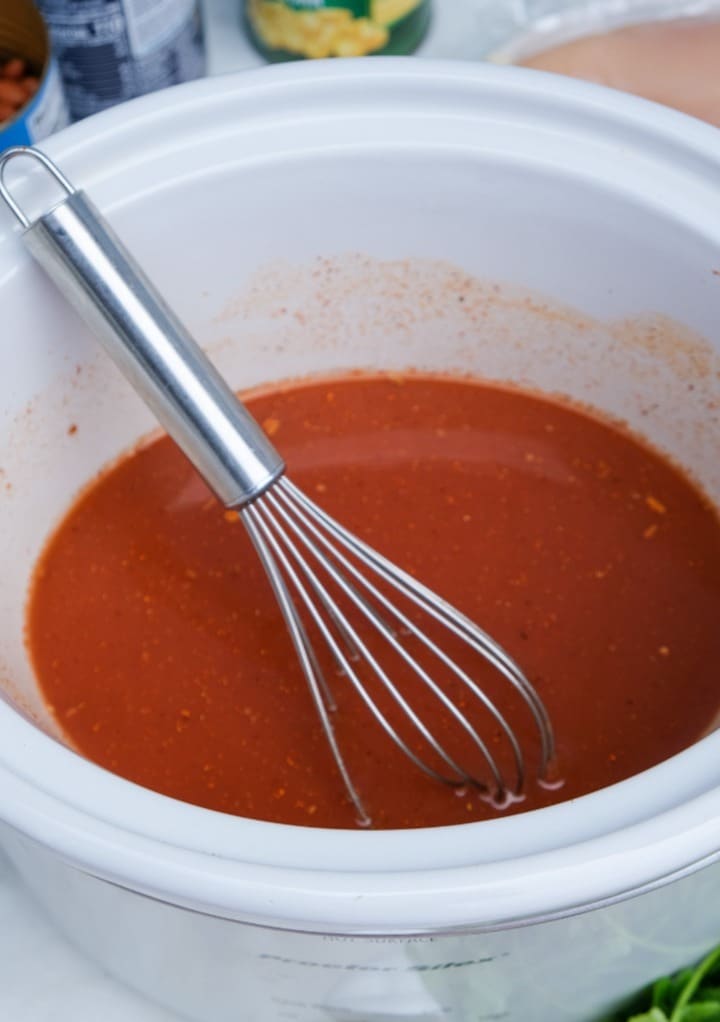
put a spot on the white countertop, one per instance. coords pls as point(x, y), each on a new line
point(42, 978)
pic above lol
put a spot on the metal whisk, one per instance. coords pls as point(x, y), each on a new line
point(354, 599)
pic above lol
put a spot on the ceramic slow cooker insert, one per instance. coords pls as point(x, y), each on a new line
point(315, 218)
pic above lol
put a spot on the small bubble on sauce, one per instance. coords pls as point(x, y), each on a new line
point(503, 800)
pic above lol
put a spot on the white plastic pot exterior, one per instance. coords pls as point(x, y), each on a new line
point(323, 217)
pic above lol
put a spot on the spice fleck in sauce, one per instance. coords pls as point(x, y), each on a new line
point(160, 648)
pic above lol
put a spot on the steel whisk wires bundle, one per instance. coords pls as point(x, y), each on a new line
point(389, 636)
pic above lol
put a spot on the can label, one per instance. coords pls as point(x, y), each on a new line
point(296, 29)
point(110, 51)
point(46, 113)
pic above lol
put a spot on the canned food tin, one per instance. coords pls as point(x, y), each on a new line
point(110, 51)
point(33, 104)
point(298, 29)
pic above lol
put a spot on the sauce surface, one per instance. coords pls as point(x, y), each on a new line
point(160, 649)
point(670, 62)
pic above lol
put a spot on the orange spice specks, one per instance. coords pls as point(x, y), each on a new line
point(271, 425)
point(655, 505)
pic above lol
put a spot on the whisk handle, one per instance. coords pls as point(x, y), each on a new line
point(100, 278)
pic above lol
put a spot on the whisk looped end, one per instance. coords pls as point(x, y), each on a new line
point(324, 575)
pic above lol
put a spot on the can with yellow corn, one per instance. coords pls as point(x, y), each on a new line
point(302, 29)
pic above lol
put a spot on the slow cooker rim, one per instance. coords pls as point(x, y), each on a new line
point(663, 125)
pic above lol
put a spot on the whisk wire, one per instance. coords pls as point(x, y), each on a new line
point(444, 613)
point(267, 524)
point(391, 637)
point(304, 650)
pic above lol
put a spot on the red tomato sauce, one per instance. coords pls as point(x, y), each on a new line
point(161, 651)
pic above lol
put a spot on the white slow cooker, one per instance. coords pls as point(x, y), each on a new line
point(320, 217)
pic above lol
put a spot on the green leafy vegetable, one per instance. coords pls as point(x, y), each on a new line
point(692, 995)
